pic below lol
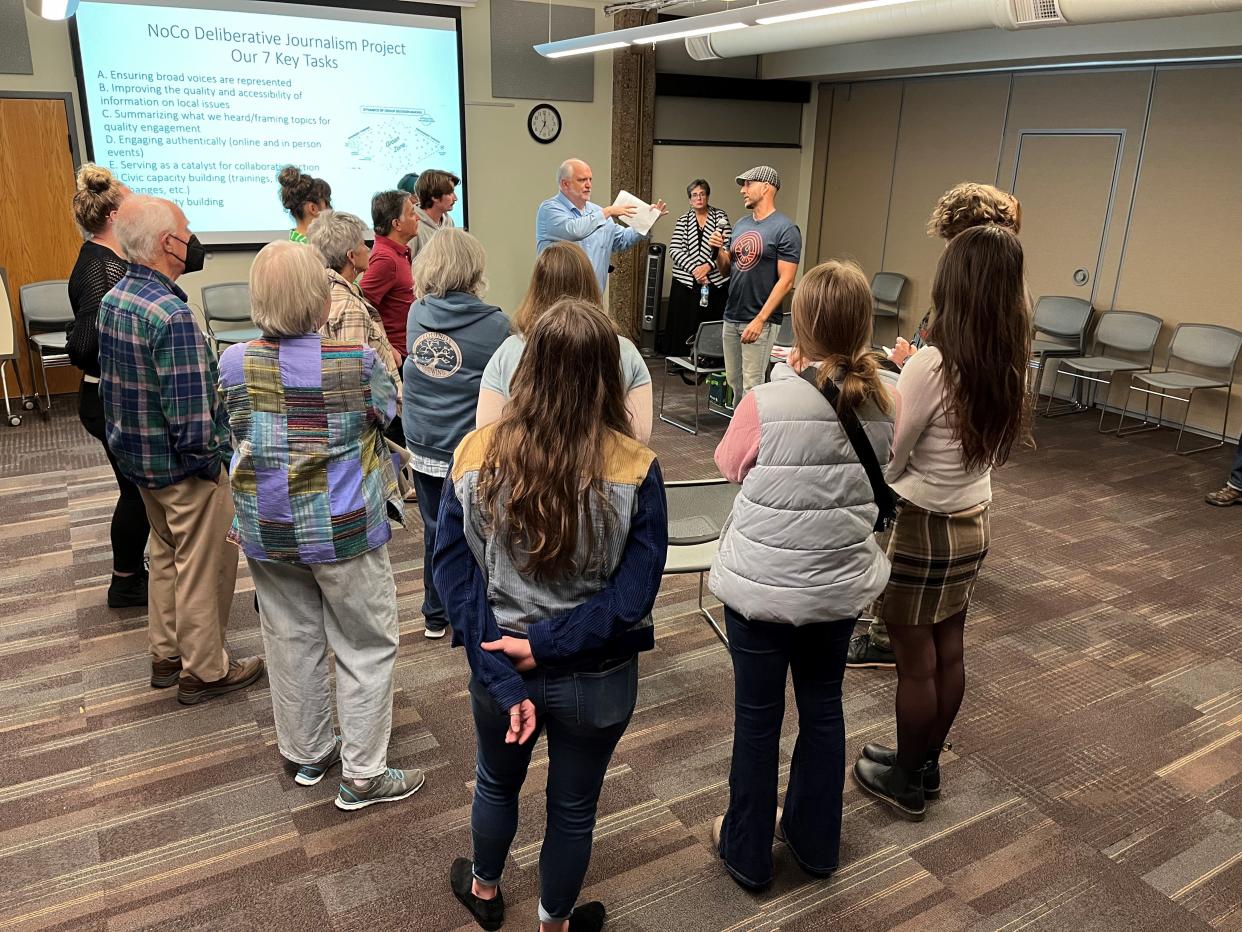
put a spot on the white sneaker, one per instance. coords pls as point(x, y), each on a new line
point(435, 633)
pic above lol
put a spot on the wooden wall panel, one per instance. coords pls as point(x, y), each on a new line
point(38, 240)
point(1085, 100)
point(1175, 227)
point(865, 118)
point(1183, 261)
point(950, 132)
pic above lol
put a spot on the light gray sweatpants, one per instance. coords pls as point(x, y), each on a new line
point(351, 607)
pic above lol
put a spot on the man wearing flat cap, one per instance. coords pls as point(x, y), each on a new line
point(761, 259)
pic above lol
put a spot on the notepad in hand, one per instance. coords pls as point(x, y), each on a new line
point(644, 217)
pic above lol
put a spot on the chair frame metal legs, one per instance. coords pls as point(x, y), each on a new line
point(1072, 407)
point(14, 420)
point(711, 619)
point(1146, 425)
point(681, 425)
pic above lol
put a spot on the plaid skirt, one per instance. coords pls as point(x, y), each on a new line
point(936, 559)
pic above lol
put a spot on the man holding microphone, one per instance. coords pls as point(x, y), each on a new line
point(761, 260)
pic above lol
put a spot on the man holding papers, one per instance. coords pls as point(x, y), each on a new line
point(570, 216)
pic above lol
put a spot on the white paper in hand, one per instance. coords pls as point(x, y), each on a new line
point(644, 217)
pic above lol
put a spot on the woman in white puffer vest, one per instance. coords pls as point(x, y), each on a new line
point(798, 563)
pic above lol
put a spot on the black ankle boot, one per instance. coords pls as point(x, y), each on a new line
point(901, 789)
point(883, 754)
point(128, 591)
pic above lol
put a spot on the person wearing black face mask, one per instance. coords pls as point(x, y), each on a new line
point(167, 426)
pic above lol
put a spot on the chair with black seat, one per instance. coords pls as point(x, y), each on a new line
point(707, 348)
point(697, 512)
point(886, 289)
point(46, 310)
point(226, 307)
point(1117, 333)
point(1062, 321)
point(8, 355)
point(1204, 346)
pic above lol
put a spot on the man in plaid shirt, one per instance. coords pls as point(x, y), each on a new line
point(168, 428)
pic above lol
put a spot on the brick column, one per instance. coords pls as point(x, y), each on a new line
point(633, 128)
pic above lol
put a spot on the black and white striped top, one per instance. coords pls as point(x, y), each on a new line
point(688, 249)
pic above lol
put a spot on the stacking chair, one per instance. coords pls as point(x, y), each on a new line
point(708, 343)
point(1063, 321)
point(46, 310)
point(228, 305)
point(1206, 346)
point(886, 289)
point(697, 512)
point(1116, 332)
point(8, 355)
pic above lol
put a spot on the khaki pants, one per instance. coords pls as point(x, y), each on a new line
point(193, 574)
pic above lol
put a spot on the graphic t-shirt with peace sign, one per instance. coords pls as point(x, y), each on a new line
point(756, 247)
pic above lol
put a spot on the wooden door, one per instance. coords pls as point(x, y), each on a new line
point(1066, 183)
point(38, 239)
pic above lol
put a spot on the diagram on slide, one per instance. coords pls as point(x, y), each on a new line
point(394, 140)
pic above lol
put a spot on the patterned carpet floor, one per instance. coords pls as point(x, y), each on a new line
point(1095, 781)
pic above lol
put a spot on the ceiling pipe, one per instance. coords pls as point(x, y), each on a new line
point(806, 24)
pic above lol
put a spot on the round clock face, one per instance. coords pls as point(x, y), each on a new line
point(544, 123)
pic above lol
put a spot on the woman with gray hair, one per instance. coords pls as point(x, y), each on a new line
point(341, 237)
point(312, 489)
point(451, 333)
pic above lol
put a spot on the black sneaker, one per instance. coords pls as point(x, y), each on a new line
point(128, 591)
point(863, 655)
point(489, 914)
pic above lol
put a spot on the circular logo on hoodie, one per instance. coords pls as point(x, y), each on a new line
point(436, 355)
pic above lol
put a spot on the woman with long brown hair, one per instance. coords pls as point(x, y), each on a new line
point(798, 562)
point(964, 408)
point(562, 271)
point(550, 547)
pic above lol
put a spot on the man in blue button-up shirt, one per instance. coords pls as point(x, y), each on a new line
point(570, 216)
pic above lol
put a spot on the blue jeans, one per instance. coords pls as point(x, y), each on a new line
point(1235, 475)
point(429, 489)
point(762, 654)
point(585, 714)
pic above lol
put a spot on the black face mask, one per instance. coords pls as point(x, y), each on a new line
point(195, 254)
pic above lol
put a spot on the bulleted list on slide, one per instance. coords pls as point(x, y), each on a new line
point(216, 110)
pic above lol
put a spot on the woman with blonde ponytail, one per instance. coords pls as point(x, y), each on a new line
point(798, 562)
point(101, 265)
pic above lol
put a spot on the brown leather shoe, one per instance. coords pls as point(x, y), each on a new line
point(165, 673)
point(191, 690)
point(1223, 498)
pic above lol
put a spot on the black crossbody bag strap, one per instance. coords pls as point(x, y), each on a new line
point(885, 500)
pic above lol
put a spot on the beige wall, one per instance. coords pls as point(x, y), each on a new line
point(1173, 231)
point(508, 172)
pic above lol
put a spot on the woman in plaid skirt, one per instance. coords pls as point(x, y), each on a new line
point(963, 409)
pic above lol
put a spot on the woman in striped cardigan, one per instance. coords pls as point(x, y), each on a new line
point(694, 266)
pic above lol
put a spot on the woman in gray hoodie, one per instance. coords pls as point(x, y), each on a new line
point(798, 562)
point(450, 335)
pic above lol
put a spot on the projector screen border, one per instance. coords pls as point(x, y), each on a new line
point(225, 242)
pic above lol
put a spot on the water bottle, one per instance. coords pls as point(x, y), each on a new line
point(703, 293)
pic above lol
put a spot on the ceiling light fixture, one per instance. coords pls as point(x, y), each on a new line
point(830, 10)
point(585, 50)
point(687, 33)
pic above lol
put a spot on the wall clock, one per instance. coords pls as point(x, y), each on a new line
point(544, 123)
